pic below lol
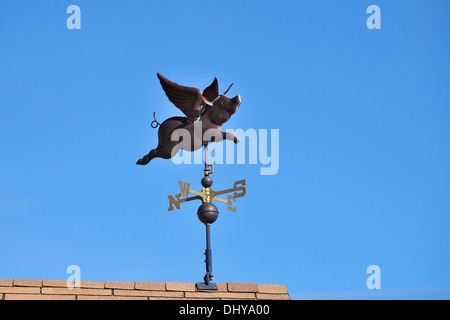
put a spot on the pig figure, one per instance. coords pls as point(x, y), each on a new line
point(205, 112)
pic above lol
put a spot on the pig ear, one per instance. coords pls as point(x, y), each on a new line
point(212, 91)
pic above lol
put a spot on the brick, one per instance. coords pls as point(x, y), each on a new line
point(93, 292)
point(221, 287)
point(110, 298)
point(119, 285)
point(272, 288)
point(25, 289)
point(270, 296)
point(6, 282)
point(224, 295)
point(92, 284)
point(164, 298)
point(27, 283)
point(20, 290)
point(155, 286)
point(12, 296)
point(180, 286)
point(54, 283)
point(242, 287)
point(144, 293)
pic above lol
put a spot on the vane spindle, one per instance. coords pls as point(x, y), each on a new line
point(208, 253)
point(207, 212)
point(206, 156)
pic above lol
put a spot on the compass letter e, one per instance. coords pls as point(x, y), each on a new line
point(229, 198)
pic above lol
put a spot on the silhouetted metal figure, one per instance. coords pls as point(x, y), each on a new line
point(205, 112)
point(209, 107)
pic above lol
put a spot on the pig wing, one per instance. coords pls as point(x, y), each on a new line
point(187, 99)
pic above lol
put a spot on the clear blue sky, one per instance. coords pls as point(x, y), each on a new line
point(364, 115)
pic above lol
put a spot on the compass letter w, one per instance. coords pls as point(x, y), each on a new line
point(184, 188)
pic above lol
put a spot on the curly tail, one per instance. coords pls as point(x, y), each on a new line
point(155, 122)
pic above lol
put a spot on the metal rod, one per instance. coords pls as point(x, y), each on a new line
point(207, 285)
point(208, 254)
point(206, 156)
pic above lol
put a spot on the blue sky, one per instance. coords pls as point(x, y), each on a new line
point(363, 117)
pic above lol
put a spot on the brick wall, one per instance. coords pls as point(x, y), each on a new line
point(22, 289)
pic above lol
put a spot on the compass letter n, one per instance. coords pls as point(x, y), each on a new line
point(176, 202)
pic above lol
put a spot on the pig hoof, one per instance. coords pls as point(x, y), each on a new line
point(236, 140)
point(142, 161)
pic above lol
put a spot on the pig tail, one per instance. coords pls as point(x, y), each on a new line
point(155, 122)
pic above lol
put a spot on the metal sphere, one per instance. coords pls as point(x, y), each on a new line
point(207, 182)
point(207, 213)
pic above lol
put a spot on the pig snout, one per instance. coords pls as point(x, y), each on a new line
point(236, 101)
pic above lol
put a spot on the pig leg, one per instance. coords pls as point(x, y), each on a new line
point(160, 152)
point(217, 135)
point(165, 144)
point(165, 152)
point(231, 137)
point(148, 157)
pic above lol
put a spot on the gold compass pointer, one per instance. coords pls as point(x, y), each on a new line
point(215, 193)
point(220, 200)
point(178, 201)
point(204, 195)
point(191, 198)
point(198, 194)
point(228, 202)
point(235, 188)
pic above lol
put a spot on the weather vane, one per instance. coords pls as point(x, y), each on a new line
point(210, 110)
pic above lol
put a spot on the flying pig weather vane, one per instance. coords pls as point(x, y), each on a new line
point(208, 110)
